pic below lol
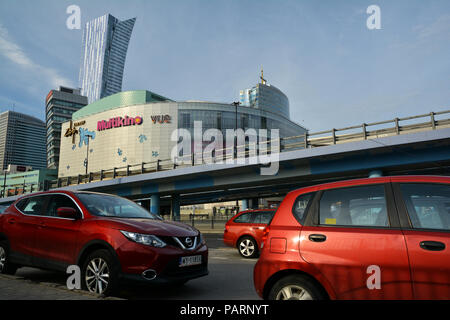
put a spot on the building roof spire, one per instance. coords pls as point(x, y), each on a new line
point(263, 81)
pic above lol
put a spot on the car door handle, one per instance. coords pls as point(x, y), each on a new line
point(432, 245)
point(11, 221)
point(317, 237)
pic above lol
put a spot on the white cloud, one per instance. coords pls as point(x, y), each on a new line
point(13, 52)
point(440, 27)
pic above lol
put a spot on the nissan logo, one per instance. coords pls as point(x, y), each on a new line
point(188, 242)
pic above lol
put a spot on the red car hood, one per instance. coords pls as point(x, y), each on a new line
point(148, 226)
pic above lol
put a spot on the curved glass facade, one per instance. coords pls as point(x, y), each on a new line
point(113, 135)
point(223, 116)
point(267, 98)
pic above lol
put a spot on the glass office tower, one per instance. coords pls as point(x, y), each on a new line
point(22, 141)
point(105, 45)
point(59, 106)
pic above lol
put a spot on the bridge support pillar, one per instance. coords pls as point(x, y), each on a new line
point(244, 204)
point(145, 204)
point(254, 203)
point(175, 207)
point(154, 204)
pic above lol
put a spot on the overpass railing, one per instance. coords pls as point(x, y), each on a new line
point(364, 131)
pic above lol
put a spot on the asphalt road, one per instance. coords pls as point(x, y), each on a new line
point(230, 278)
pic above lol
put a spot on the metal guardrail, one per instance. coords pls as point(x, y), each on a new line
point(334, 136)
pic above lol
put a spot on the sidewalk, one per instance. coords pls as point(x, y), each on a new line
point(18, 288)
point(207, 228)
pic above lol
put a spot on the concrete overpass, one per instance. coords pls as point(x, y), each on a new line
point(423, 152)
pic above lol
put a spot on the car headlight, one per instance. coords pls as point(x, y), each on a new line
point(147, 239)
point(201, 239)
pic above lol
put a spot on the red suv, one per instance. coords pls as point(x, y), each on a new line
point(245, 230)
point(377, 238)
point(110, 238)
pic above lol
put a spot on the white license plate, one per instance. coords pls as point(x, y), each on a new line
point(190, 261)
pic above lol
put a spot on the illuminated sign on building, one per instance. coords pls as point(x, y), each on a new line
point(119, 122)
point(72, 130)
point(161, 119)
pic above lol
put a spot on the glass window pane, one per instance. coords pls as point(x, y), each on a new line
point(263, 217)
point(300, 206)
point(112, 206)
point(357, 206)
point(244, 218)
point(34, 206)
point(428, 205)
point(59, 201)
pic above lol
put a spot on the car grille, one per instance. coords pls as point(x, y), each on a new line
point(186, 243)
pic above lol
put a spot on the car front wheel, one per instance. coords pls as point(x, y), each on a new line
point(99, 273)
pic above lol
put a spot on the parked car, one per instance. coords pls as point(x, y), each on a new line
point(110, 238)
point(244, 231)
point(377, 238)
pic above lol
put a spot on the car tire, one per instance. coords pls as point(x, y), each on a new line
point(5, 266)
point(296, 287)
point(247, 247)
point(100, 273)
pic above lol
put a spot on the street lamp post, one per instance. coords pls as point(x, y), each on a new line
point(236, 104)
point(87, 154)
point(4, 182)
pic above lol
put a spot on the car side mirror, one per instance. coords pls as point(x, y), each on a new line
point(69, 213)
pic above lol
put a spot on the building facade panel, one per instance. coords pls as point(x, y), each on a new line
point(133, 134)
point(124, 136)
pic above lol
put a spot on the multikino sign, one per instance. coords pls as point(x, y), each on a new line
point(118, 122)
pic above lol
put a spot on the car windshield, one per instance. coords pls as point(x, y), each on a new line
point(112, 206)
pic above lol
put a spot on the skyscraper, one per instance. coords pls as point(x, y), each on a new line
point(60, 104)
point(22, 140)
point(105, 45)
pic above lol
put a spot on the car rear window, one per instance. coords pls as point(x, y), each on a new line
point(301, 205)
point(428, 205)
point(263, 217)
point(244, 218)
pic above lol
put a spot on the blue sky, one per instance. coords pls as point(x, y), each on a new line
point(335, 71)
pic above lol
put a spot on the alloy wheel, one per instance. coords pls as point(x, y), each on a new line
point(2, 259)
point(293, 292)
point(97, 276)
point(247, 247)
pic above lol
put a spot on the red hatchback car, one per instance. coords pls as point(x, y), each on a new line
point(245, 230)
point(110, 238)
point(377, 238)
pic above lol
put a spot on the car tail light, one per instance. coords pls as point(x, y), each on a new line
point(226, 228)
point(265, 236)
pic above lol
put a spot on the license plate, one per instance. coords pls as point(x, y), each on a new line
point(190, 261)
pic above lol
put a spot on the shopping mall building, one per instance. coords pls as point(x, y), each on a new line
point(132, 127)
